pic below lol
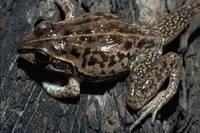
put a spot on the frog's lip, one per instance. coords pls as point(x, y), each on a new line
point(27, 55)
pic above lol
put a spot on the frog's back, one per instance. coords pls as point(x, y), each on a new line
point(101, 44)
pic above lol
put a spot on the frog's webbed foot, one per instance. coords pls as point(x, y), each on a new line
point(67, 7)
point(142, 91)
point(72, 89)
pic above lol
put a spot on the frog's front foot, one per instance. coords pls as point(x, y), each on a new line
point(72, 89)
point(144, 84)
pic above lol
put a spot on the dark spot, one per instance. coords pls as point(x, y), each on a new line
point(103, 72)
point(112, 61)
point(87, 31)
point(103, 56)
point(127, 45)
point(129, 55)
point(121, 56)
point(84, 63)
point(102, 65)
point(86, 52)
point(145, 43)
point(92, 61)
point(75, 53)
point(67, 32)
point(83, 38)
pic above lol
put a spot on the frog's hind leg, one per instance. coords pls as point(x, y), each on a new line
point(72, 89)
point(67, 7)
point(143, 91)
point(170, 26)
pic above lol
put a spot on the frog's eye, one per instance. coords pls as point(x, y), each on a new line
point(42, 26)
point(42, 58)
point(59, 64)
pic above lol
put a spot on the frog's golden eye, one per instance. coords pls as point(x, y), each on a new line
point(42, 26)
point(42, 58)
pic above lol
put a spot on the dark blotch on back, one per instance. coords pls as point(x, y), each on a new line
point(103, 56)
point(86, 52)
point(112, 61)
point(92, 61)
point(102, 65)
point(75, 53)
point(103, 72)
point(146, 43)
point(127, 45)
point(121, 56)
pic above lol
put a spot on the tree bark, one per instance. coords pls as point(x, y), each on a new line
point(25, 107)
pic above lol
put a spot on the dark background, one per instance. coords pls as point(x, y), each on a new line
point(25, 106)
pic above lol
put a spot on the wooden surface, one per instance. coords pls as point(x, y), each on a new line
point(25, 107)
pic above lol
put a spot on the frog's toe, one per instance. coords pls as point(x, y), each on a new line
point(72, 89)
point(153, 107)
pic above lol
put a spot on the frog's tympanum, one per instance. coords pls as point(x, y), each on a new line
point(96, 46)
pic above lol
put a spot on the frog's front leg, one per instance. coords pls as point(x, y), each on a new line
point(67, 7)
point(143, 87)
point(72, 89)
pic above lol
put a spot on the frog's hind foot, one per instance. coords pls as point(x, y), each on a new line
point(153, 107)
point(72, 89)
point(67, 7)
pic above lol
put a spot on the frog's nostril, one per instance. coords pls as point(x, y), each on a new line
point(42, 25)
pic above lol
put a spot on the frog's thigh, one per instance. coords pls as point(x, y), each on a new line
point(67, 7)
point(143, 90)
point(72, 89)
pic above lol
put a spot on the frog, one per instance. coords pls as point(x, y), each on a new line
point(97, 46)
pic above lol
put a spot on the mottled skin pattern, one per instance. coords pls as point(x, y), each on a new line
point(96, 46)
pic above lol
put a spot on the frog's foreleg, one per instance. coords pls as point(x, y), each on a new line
point(67, 7)
point(72, 89)
point(142, 90)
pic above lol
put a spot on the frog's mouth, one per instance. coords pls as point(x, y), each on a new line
point(52, 72)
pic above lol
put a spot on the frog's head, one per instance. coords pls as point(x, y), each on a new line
point(45, 47)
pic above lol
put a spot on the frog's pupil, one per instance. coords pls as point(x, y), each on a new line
point(59, 64)
point(42, 58)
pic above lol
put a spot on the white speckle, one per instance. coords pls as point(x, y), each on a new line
point(106, 48)
point(60, 45)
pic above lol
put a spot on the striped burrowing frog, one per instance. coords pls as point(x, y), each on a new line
point(96, 46)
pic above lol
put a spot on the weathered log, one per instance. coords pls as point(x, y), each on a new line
point(25, 107)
